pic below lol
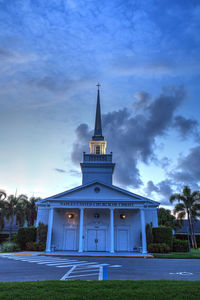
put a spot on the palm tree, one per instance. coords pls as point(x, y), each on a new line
point(2, 208)
point(2, 194)
point(2, 214)
point(15, 206)
point(31, 210)
point(188, 206)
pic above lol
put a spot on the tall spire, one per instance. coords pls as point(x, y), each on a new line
point(98, 128)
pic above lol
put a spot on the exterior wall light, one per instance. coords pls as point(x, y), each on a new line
point(123, 217)
point(70, 216)
point(96, 216)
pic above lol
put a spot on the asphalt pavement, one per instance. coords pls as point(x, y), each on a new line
point(15, 267)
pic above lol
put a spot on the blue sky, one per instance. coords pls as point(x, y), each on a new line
point(146, 56)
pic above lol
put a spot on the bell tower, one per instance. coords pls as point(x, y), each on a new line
point(97, 165)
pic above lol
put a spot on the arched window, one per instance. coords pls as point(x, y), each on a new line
point(98, 149)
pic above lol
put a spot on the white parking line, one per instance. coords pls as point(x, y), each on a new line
point(74, 264)
point(67, 274)
point(101, 273)
point(66, 263)
point(84, 271)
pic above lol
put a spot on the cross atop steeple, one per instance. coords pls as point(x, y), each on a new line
point(98, 84)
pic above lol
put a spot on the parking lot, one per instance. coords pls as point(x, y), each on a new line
point(20, 267)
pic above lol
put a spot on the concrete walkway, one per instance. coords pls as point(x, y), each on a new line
point(99, 254)
point(84, 254)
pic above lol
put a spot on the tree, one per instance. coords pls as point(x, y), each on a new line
point(15, 206)
point(3, 196)
point(165, 218)
point(188, 206)
point(31, 210)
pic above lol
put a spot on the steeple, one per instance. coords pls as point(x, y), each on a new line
point(97, 165)
point(98, 129)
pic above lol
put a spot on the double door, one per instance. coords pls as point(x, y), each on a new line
point(96, 240)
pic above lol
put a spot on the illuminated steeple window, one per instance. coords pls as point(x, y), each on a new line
point(97, 149)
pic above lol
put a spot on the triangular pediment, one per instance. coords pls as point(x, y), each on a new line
point(98, 191)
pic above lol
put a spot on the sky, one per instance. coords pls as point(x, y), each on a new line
point(146, 56)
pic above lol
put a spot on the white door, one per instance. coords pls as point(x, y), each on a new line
point(101, 240)
point(91, 239)
point(96, 239)
point(70, 239)
point(122, 239)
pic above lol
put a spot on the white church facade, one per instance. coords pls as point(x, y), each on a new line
point(97, 216)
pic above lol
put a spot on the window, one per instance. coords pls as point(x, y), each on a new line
point(97, 149)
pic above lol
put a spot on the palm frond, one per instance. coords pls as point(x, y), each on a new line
point(179, 208)
point(181, 215)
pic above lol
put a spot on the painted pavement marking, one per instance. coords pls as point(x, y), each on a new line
point(182, 273)
point(78, 268)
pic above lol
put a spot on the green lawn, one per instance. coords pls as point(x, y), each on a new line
point(195, 253)
point(100, 290)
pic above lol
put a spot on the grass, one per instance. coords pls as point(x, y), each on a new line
point(98, 290)
point(195, 254)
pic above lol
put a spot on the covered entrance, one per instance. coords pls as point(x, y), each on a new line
point(96, 240)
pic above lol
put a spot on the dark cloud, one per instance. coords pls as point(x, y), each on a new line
point(132, 138)
point(151, 187)
point(165, 162)
point(59, 170)
point(58, 84)
point(143, 99)
point(4, 53)
point(187, 170)
point(75, 172)
point(185, 126)
point(163, 189)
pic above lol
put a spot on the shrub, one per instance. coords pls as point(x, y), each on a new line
point(42, 232)
point(149, 236)
point(10, 247)
point(25, 235)
point(14, 238)
point(158, 248)
point(162, 235)
point(180, 245)
point(35, 246)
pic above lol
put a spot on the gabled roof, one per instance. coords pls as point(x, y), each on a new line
point(112, 187)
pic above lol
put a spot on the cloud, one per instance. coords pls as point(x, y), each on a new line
point(75, 173)
point(132, 138)
point(59, 170)
point(143, 99)
point(163, 189)
point(187, 170)
point(186, 127)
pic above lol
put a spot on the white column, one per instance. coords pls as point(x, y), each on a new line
point(81, 230)
point(112, 230)
point(50, 227)
point(144, 243)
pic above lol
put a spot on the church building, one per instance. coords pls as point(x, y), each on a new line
point(97, 216)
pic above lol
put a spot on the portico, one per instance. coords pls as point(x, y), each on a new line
point(103, 228)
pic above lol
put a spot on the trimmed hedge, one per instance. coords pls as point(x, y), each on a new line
point(162, 235)
point(158, 248)
point(42, 232)
point(35, 246)
point(180, 245)
point(25, 235)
